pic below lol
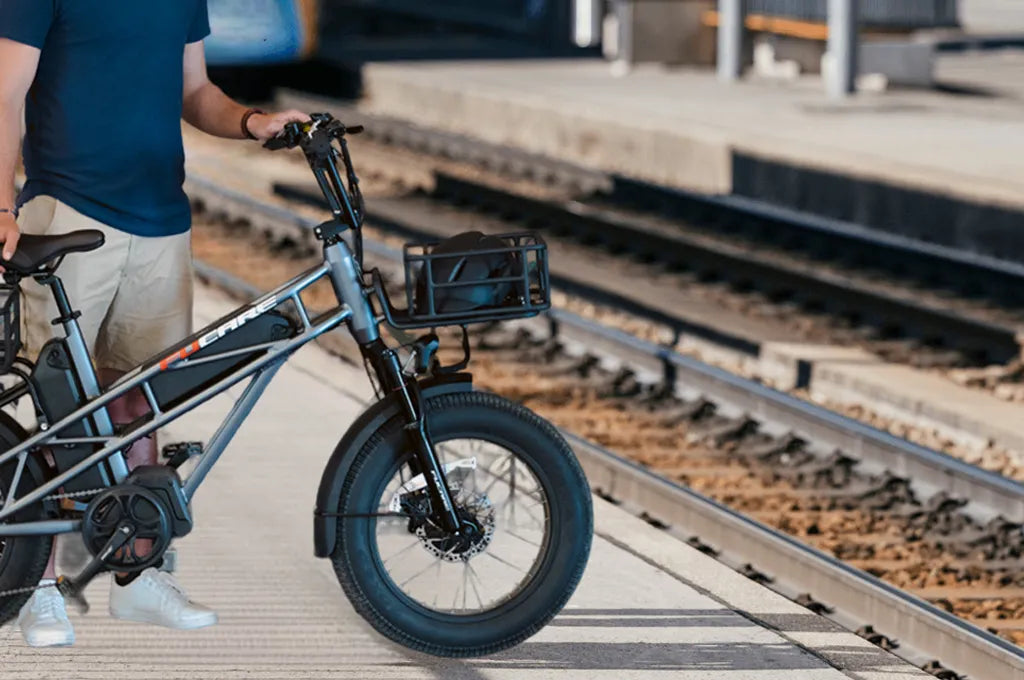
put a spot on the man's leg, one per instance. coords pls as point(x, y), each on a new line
point(151, 313)
point(126, 409)
point(143, 452)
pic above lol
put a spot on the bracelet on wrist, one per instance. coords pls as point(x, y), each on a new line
point(10, 211)
point(245, 123)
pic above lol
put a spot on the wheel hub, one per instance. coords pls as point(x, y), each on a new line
point(475, 532)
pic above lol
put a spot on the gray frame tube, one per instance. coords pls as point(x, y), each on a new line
point(132, 380)
point(348, 286)
point(282, 353)
point(227, 430)
point(43, 528)
point(83, 368)
point(355, 308)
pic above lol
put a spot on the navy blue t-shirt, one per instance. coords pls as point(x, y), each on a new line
point(103, 116)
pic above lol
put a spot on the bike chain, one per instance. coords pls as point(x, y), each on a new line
point(74, 494)
point(56, 496)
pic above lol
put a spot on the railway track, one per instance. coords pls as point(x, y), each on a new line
point(829, 511)
point(906, 300)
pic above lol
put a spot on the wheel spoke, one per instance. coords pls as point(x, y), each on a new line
point(524, 540)
point(474, 575)
point(418, 574)
point(418, 568)
point(528, 510)
point(401, 552)
point(504, 561)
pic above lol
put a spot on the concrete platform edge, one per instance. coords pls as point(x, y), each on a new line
point(841, 649)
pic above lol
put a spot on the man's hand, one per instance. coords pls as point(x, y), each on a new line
point(263, 126)
point(9, 235)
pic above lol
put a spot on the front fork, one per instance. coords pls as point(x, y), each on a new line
point(384, 361)
point(346, 279)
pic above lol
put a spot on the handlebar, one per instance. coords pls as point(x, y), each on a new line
point(311, 135)
point(322, 140)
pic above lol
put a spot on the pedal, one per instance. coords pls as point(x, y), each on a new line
point(72, 592)
point(177, 454)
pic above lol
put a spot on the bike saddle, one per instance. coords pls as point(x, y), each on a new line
point(34, 252)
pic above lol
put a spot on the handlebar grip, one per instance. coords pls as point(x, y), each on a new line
point(354, 130)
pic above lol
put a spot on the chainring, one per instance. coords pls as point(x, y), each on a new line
point(137, 507)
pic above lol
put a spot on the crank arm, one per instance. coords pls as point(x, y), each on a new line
point(73, 588)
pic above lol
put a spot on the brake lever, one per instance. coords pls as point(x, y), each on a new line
point(288, 138)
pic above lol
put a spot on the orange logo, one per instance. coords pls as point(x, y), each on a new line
point(180, 354)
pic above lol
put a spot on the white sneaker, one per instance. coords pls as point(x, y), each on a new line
point(44, 620)
point(155, 597)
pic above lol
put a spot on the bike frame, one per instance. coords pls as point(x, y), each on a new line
point(354, 309)
point(344, 270)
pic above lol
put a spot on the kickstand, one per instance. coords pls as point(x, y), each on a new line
point(73, 588)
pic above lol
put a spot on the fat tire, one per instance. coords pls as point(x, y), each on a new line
point(25, 564)
point(356, 562)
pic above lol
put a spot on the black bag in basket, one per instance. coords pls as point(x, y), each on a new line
point(466, 266)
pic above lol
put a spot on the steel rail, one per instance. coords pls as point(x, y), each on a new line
point(989, 493)
point(917, 624)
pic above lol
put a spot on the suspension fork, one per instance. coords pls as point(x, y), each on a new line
point(385, 364)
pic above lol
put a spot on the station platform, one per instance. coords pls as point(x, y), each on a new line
point(649, 606)
point(937, 165)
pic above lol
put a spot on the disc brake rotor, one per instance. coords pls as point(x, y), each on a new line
point(475, 534)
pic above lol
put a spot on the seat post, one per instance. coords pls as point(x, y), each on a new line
point(77, 349)
point(60, 296)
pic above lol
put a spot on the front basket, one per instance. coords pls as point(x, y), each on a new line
point(515, 283)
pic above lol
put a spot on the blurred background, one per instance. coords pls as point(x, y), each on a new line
point(902, 39)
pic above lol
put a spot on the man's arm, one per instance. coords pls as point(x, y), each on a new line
point(18, 64)
point(209, 109)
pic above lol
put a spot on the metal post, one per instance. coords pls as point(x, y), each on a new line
point(842, 47)
point(731, 15)
point(587, 21)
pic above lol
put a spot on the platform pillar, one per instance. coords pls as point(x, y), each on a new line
point(843, 42)
point(587, 18)
point(731, 15)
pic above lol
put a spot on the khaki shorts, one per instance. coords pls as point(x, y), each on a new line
point(134, 293)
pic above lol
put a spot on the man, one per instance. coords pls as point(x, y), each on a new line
point(103, 85)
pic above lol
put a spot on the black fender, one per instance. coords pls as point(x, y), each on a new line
point(325, 529)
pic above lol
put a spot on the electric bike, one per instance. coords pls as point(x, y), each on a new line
point(458, 522)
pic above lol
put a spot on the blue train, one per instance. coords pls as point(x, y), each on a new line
point(248, 32)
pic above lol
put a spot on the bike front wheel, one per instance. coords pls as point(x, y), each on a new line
point(527, 525)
